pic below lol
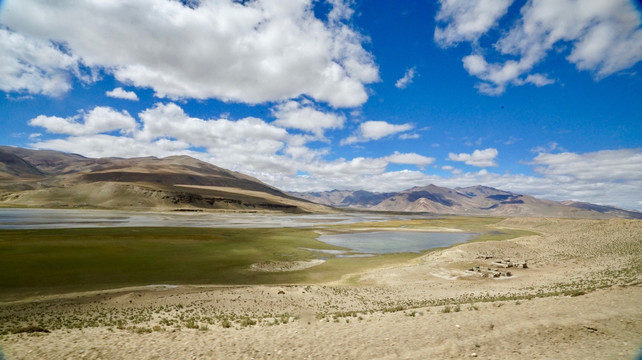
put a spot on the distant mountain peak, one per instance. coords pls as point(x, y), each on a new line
point(472, 200)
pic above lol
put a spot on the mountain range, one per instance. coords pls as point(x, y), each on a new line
point(474, 200)
point(43, 178)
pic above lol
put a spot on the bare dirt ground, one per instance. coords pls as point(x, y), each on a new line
point(579, 298)
point(285, 266)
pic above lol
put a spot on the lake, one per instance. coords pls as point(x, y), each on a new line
point(376, 242)
point(67, 218)
point(382, 242)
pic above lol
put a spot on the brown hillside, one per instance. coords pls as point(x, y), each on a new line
point(35, 178)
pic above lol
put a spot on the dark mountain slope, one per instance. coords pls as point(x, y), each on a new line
point(13, 166)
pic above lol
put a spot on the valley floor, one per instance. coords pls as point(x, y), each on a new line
point(579, 298)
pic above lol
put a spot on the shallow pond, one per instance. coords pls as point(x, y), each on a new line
point(383, 242)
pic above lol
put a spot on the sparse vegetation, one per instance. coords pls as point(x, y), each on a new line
point(226, 308)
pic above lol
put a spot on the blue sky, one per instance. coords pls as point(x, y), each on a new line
point(536, 97)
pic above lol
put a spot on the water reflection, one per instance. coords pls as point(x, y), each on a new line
point(64, 218)
point(382, 242)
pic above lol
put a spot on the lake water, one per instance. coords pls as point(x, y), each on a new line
point(363, 243)
point(64, 218)
point(382, 242)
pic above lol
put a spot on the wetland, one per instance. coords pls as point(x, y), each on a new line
point(45, 252)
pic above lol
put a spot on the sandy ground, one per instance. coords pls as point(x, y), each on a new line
point(284, 266)
point(580, 298)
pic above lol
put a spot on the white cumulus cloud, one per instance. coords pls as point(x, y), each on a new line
point(479, 158)
point(409, 136)
point(119, 93)
point(604, 37)
point(295, 115)
point(467, 20)
point(605, 165)
point(251, 52)
point(33, 66)
point(406, 79)
point(409, 158)
point(375, 130)
point(99, 120)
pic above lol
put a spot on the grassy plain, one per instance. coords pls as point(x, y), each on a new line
point(51, 261)
point(62, 260)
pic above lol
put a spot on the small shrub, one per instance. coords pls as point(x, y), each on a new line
point(30, 329)
point(574, 293)
point(247, 322)
point(142, 330)
point(191, 324)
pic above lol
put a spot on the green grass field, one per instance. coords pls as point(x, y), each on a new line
point(51, 261)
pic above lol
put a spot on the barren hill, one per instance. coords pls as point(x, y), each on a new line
point(37, 178)
point(474, 200)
